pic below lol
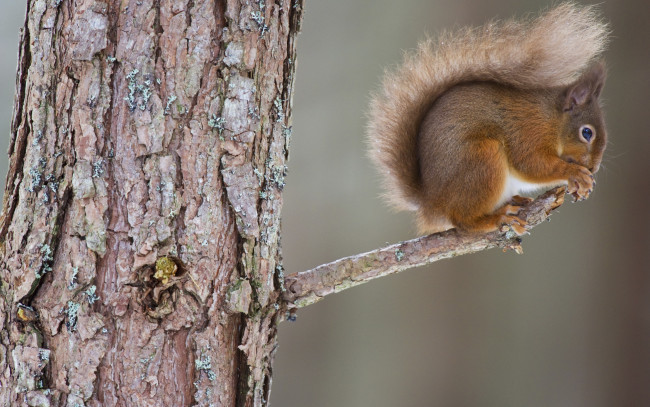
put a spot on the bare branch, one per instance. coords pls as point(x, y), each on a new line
point(310, 286)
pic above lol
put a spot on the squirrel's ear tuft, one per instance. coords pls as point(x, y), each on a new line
point(586, 88)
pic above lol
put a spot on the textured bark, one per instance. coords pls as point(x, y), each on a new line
point(148, 136)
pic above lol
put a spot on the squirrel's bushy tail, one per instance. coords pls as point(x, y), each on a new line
point(550, 50)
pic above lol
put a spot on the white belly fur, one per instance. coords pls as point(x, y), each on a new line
point(516, 186)
point(513, 186)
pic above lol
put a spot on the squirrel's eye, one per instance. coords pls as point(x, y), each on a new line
point(586, 132)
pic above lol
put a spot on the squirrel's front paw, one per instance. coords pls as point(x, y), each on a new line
point(518, 200)
point(581, 183)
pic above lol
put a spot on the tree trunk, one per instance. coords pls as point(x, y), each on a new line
point(140, 261)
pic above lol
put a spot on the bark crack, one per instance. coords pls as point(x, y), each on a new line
point(18, 137)
point(21, 79)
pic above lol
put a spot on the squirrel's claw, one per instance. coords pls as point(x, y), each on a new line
point(581, 184)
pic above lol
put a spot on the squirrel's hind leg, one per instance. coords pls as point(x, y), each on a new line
point(505, 215)
point(474, 208)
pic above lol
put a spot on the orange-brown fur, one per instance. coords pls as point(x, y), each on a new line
point(509, 98)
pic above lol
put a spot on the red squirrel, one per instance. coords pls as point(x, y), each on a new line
point(471, 121)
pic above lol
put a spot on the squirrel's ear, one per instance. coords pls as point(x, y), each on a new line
point(586, 88)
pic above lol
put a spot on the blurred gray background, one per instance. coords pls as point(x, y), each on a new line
point(565, 324)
